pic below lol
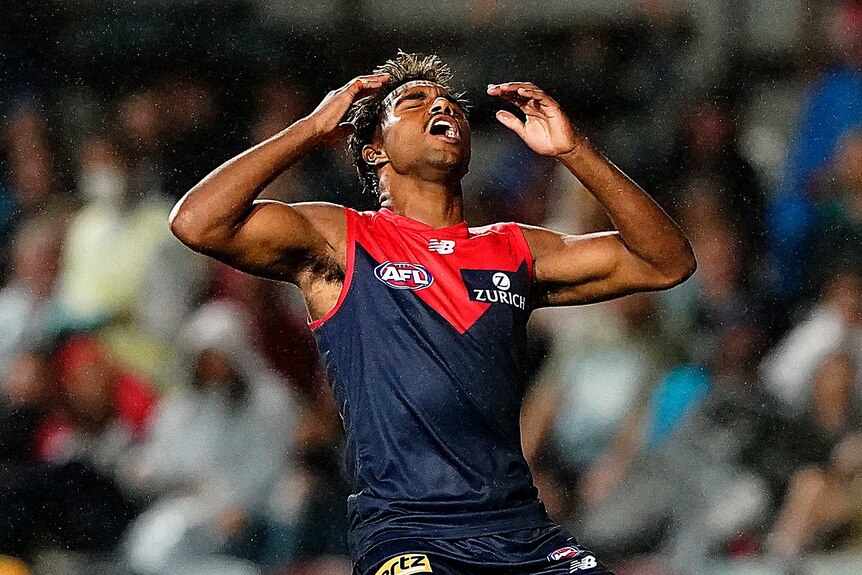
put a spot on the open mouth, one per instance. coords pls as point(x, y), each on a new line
point(445, 128)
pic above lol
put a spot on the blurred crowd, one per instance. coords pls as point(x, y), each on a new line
point(161, 413)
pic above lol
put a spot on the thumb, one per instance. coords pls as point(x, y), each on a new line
point(511, 121)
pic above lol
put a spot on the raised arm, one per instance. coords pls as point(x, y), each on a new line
point(647, 251)
point(301, 243)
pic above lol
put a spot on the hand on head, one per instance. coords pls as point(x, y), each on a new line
point(546, 129)
point(327, 117)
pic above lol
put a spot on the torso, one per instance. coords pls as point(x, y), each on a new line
point(424, 348)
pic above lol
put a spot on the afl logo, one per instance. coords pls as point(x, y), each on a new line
point(501, 281)
point(402, 275)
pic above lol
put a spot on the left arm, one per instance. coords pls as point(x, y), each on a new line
point(648, 251)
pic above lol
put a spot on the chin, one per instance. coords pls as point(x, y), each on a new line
point(457, 167)
point(451, 159)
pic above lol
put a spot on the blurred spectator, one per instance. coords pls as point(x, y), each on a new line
point(72, 497)
point(30, 183)
point(825, 497)
point(837, 237)
point(29, 303)
point(707, 159)
point(104, 409)
point(833, 108)
point(121, 268)
point(569, 410)
point(28, 384)
point(215, 449)
point(306, 522)
point(281, 103)
point(833, 323)
point(281, 330)
point(701, 466)
point(142, 129)
point(717, 296)
point(111, 239)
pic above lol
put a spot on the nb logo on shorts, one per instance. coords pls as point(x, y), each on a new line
point(442, 247)
point(406, 565)
point(587, 562)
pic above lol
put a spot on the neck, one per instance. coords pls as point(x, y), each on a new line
point(436, 204)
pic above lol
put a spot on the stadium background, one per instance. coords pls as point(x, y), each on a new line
point(160, 413)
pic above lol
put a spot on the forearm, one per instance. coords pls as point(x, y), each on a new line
point(643, 225)
point(225, 197)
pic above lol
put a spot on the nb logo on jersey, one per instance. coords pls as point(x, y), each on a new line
point(442, 247)
point(402, 275)
point(405, 565)
point(587, 562)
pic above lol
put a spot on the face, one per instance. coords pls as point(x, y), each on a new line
point(28, 378)
point(832, 387)
point(213, 370)
point(90, 391)
point(423, 132)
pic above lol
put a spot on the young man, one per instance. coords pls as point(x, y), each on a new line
point(421, 320)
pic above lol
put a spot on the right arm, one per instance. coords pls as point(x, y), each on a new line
point(300, 243)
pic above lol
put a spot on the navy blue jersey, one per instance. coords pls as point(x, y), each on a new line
point(425, 353)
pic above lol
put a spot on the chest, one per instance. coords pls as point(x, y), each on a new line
point(459, 278)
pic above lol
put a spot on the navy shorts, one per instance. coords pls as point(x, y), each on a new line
point(528, 552)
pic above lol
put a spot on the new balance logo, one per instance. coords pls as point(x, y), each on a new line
point(587, 562)
point(442, 247)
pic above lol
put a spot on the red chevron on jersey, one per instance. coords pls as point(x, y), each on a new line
point(438, 265)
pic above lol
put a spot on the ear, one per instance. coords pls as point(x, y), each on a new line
point(374, 157)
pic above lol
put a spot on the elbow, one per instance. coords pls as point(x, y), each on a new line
point(684, 267)
point(184, 227)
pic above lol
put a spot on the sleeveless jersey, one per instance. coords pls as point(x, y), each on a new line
point(425, 353)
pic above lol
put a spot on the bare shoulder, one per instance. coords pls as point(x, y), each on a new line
point(321, 211)
point(322, 214)
point(538, 234)
point(541, 239)
point(328, 219)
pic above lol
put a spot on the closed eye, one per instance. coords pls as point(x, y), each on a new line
point(414, 98)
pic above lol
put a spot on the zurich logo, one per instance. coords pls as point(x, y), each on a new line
point(501, 281)
point(402, 275)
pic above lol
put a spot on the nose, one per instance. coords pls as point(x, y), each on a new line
point(443, 106)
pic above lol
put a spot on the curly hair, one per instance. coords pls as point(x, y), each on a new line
point(365, 113)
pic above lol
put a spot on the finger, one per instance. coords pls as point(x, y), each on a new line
point(370, 78)
point(511, 121)
point(367, 91)
point(527, 104)
point(522, 94)
point(366, 83)
point(508, 87)
point(538, 95)
point(512, 96)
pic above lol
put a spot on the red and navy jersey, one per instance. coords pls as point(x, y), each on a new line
point(425, 352)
